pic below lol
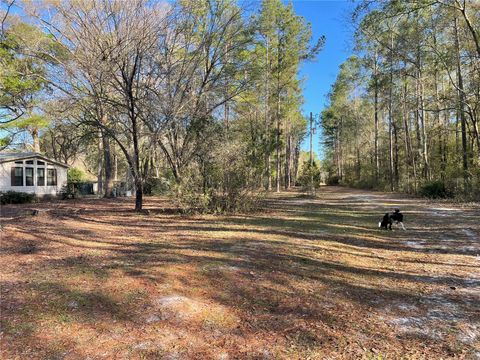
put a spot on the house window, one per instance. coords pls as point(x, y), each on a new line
point(17, 176)
point(18, 162)
point(51, 177)
point(28, 176)
point(40, 177)
point(30, 162)
point(40, 162)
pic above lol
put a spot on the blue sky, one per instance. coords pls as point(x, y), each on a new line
point(329, 18)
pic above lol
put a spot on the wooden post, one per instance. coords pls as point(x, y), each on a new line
point(311, 138)
point(312, 129)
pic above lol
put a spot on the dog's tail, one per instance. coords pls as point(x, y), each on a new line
point(379, 224)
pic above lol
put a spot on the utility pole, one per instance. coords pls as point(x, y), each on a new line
point(312, 131)
point(311, 139)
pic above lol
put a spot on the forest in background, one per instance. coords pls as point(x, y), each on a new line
point(203, 99)
point(403, 113)
point(200, 97)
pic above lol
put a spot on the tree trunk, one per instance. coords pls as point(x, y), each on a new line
point(115, 167)
point(268, 171)
point(426, 164)
point(461, 109)
point(375, 103)
point(277, 141)
point(138, 194)
point(470, 26)
point(136, 160)
point(107, 161)
point(340, 150)
point(390, 117)
point(277, 175)
point(36, 139)
point(408, 143)
point(395, 157)
point(100, 164)
point(287, 162)
point(444, 155)
point(390, 152)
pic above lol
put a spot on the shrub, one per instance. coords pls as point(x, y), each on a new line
point(156, 186)
point(367, 184)
point(219, 181)
point(232, 198)
point(309, 176)
point(234, 201)
point(14, 197)
point(192, 202)
point(75, 175)
point(333, 180)
point(69, 191)
point(435, 190)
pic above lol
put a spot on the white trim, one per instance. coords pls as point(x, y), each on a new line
point(6, 181)
point(31, 156)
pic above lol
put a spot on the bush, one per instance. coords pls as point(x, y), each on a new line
point(156, 186)
point(233, 198)
point(69, 191)
point(219, 203)
point(14, 197)
point(367, 184)
point(435, 190)
point(192, 202)
point(75, 175)
point(309, 176)
point(333, 180)
point(219, 181)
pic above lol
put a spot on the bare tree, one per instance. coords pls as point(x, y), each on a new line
point(107, 71)
point(199, 51)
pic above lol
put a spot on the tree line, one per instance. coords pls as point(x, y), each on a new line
point(201, 94)
point(403, 112)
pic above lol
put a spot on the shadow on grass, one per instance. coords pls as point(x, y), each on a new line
point(274, 286)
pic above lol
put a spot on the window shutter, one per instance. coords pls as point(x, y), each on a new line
point(55, 176)
point(12, 176)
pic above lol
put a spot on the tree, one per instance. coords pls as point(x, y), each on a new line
point(286, 39)
point(25, 54)
point(419, 71)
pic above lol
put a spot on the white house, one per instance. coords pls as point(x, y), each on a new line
point(31, 173)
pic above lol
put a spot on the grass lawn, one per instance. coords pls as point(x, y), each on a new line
point(302, 279)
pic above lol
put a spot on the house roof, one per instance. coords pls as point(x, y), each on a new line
point(8, 157)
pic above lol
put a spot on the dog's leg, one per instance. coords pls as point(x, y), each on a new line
point(403, 227)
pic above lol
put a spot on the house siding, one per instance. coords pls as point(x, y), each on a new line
point(6, 183)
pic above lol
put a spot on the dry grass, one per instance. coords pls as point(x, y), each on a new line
point(304, 279)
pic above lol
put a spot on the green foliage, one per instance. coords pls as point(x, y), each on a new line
point(333, 180)
point(69, 191)
point(232, 81)
point(392, 122)
point(368, 184)
point(25, 54)
point(220, 182)
point(237, 200)
point(156, 186)
point(75, 175)
point(34, 120)
point(310, 176)
point(435, 190)
point(14, 197)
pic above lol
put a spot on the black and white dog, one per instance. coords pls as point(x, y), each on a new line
point(388, 220)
